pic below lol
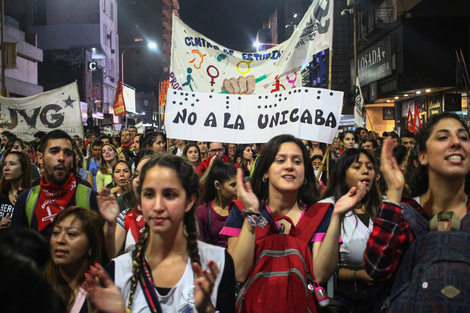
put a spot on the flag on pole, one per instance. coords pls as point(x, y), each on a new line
point(409, 120)
point(119, 105)
point(417, 121)
point(359, 103)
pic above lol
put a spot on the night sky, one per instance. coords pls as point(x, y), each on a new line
point(230, 23)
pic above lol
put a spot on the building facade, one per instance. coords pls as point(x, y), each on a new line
point(22, 78)
point(80, 42)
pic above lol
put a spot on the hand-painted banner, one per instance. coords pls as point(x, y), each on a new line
point(199, 64)
point(307, 113)
point(55, 109)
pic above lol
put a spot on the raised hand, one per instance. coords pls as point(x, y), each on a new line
point(241, 85)
point(203, 285)
point(105, 299)
point(5, 221)
point(249, 165)
point(108, 206)
point(391, 172)
point(351, 199)
point(245, 193)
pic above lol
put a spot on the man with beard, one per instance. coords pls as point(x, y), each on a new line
point(57, 190)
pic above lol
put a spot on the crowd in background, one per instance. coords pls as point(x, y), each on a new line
point(125, 175)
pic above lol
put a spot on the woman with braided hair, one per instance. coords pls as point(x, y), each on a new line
point(169, 270)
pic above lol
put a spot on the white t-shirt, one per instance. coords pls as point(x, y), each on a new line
point(180, 298)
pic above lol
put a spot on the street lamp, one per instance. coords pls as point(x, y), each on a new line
point(258, 44)
point(150, 45)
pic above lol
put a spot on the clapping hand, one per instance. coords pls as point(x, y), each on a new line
point(245, 193)
point(351, 199)
point(105, 299)
point(391, 172)
point(203, 284)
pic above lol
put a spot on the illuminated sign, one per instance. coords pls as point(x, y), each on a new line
point(92, 66)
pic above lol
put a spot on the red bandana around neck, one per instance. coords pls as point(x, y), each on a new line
point(128, 147)
point(53, 199)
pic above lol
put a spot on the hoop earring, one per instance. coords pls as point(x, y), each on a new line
point(305, 181)
point(264, 179)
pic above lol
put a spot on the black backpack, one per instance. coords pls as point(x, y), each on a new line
point(434, 274)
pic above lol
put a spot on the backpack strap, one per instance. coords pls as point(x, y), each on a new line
point(31, 201)
point(209, 221)
point(82, 196)
point(465, 223)
point(308, 224)
point(305, 228)
point(419, 225)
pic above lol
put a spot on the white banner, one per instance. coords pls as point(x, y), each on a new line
point(359, 104)
point(129, 98)
point(307, 113)
point(55, 109)
point(199, 64)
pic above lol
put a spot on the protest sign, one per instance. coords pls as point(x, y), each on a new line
point(199, 64)
point(307, 113)
point(55, 109)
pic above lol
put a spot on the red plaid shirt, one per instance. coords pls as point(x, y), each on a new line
point(390, 238)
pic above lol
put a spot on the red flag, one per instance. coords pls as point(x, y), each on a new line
point(119, 105)
point(417, 121)
point(409, 120)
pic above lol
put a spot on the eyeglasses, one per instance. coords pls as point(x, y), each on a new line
point(221, 150)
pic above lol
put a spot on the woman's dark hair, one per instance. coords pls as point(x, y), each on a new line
point(400, 152)
point(120, 162)
point(128, 154)
point(307, 194)
point(92, 226)
point(410, 172)
point(78, 153)
point(337, 186)
point(343, 134)
point(11, 143)
point(129, 196)
point(420, 180)
point(150, 137)
point(142, 153)
point(117, 139)
point(316, 157)
point(190, 145)
point(25, 179)
point(221, 172)
point(189, 180)
point(243, 162)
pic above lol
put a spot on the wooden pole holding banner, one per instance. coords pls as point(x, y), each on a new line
point(327, 150)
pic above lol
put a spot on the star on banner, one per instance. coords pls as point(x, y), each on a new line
point(68, 102)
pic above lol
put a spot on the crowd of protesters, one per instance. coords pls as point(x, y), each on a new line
point(144, 223)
